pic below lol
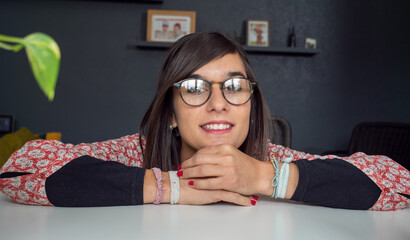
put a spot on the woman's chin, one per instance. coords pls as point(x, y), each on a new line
point(218, 142)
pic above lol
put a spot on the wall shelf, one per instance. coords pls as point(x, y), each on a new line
point(263, 50)
point(144, 44)
point(281, 50)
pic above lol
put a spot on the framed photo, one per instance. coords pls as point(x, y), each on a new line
point(257, 33)
point(310, 43)
point(6, 124)
point(169, 26)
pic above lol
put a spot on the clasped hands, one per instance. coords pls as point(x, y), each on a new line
point(223, 173)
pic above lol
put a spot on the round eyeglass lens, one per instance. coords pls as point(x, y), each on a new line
point(194, 91)
point(237, 90)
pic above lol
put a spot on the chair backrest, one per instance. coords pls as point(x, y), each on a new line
point(378, 138)
point(281, 131)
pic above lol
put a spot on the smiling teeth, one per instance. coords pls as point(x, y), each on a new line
point(216, 126)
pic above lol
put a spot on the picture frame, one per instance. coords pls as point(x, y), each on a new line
point(257, 33)
point(169, 25)
point(6, 124)
point(310, 43)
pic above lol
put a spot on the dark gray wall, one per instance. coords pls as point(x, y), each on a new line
point(104, 87)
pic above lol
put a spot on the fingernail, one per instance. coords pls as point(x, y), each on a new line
point(256, 198)
point(179, 173)
point(191, 183)
point(253, 202)
point(179, 167)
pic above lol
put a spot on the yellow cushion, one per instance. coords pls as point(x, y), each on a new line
point(11, 142)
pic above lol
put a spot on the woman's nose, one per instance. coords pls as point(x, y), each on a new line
point(217, 101)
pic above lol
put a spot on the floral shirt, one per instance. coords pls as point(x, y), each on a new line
point(39, 159)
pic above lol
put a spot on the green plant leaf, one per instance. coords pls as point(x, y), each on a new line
point(44, 57)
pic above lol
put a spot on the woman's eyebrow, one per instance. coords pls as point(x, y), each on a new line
point(235, 74)
point(196, 76)
point(229, 74)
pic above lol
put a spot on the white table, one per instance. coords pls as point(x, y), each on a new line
point(266, 220)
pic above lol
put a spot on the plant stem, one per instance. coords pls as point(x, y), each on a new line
point(5, 38)
point(14, 48)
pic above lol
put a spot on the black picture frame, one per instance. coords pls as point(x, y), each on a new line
point(6, 124)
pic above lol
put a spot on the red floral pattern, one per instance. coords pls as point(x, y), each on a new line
point(42, 158)
point(391, 177)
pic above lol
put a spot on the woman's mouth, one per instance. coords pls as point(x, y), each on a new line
point(217, 128)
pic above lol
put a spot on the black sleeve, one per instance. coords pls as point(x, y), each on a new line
point(87, 181)
point(334, 183)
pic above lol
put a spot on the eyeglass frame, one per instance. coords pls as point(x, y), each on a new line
point(178, 85)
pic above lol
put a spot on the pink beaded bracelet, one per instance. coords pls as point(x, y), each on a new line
point(160, 190)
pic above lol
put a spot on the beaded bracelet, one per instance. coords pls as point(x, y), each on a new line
point(160, 189)
point(175, 188)
point(275, 179)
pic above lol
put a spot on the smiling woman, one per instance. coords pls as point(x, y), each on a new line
point(207, 56)
point(209, 121)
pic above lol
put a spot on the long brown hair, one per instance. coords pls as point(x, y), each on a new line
point(188, 54)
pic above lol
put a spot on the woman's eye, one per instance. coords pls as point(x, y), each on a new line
point(233, 88)
point(195, 87)
point(195, 90)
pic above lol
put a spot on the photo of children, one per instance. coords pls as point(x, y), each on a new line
point(169, 28)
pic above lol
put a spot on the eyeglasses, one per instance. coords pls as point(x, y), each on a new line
point(196, 92)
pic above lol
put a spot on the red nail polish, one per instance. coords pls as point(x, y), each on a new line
point(256, 198)
point(179, 174)
point(191, 183)
point(253, 202)
point(179, 167)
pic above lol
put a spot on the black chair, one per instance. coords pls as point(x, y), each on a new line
point(281, 131)
point(381, 138)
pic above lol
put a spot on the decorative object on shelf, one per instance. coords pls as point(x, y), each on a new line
point(43, 55)
point(237, 37)
point(310, 43)
point(6, 124)
point(257, 33)
point(169, 26)
point(291, 37)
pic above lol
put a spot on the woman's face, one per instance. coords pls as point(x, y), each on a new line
point(195, 123)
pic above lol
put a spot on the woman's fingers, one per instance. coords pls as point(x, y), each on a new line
point(201, 171)
point(201, 159)
point(192, 196)
point(236, 198)
point(210, 155)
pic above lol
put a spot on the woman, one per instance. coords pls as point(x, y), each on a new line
point(209, 120)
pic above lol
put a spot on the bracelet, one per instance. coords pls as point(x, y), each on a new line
point(275, 179)
point(175, 188)
point(284, 178)
point(160, 190)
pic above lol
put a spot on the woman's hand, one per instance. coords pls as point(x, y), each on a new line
point(189, 195)
point(223, 167)
point(192, 196)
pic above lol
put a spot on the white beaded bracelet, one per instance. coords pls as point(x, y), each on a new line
point(175, 188)
point(284, 178)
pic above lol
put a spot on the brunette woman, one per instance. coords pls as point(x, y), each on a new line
point(204, 139)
